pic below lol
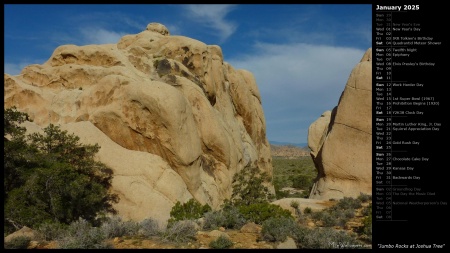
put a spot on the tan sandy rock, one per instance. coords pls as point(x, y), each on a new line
point(179, 119)
point(343, 153)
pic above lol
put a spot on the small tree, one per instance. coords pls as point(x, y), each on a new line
point(249, 187)
point(51, 177)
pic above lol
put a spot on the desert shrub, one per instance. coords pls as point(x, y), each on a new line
point(277, 229)
point(326, 238)
point(317, 215)
point(364, 197)
point(367, 210)
point(333, 217)
point(115, 227)
point(367, 230)
point(307, 210)
point(367, 223)
point(149, 227)
point(349, 213)
point(190, 210)
point(347, 203)
point(222, 242)
point(330, 220)
point(81, 235)
point(338, 214)
point(229, 217)
point(214, 220)
point(179, 231)
point(18, 242)
point(260, 212)
point(295, 204)
point(51, 230)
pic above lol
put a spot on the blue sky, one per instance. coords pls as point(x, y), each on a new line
point(301, 55)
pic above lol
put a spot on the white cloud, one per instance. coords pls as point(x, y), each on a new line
point(93, 35)
point(213, 16)
point(15, 68)
point(12, 68)
point(298, 80)
point(173, 29)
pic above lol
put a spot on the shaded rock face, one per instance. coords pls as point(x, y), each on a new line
point(170, 97)
point(341, 140)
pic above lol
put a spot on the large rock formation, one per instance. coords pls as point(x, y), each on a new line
point(341, 139)
point(174, 120)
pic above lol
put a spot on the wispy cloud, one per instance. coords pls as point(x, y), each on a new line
point(95, 35)
point(15, 68)
point(173, 29)
point(213, 16)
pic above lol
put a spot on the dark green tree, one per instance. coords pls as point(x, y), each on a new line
point(15, 152)
point(51, 177)
point(249, 187)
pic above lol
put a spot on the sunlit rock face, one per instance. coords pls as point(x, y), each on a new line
point(174, 120)
point(341, 140)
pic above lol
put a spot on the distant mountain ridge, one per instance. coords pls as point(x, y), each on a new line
point(289, 151)
point(280, 143)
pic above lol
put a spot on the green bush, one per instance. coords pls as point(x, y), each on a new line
point(222, 242)
point(190, 210)
point(277, 229)
point(307, 210)
point(179, 231)
point(18, 242)
point(260, 212)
